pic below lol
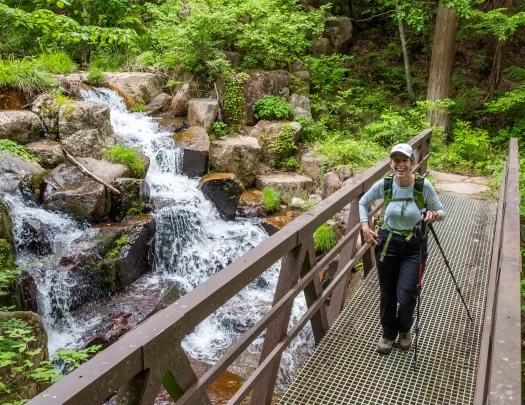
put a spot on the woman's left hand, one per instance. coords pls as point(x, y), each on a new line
point(430, 217)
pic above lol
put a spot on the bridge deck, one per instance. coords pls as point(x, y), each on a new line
point(345, 368)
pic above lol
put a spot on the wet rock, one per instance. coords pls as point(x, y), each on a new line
point(202, 112)
point(238, 155)
point(21, 385)
point(266, 133)
point(133, 195)
point(331, 183)
point(112, 329)
point(47, 109)
point(134, 87)
point(49, 153)
point(312, 166)
point(27, 292)
point(159, 104)
point(251, 203)
point(34, 236)
point(224, 190)
point(14, 169)
point(6, 225)
point(196, 144)
point(289, 185)
point(20, 126)
point(85, 128)
point(172, 124)
point(180, 103)
point(275, 223)
point(262, 83)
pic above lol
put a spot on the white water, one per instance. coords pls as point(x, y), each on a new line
point(192, 244)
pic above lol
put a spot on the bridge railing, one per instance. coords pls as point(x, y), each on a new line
point(499, 366)
point(150, 356)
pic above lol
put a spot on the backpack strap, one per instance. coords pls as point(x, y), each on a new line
point(418, 192)
point(387, 189)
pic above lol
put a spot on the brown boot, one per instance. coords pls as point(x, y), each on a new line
point(405, 340)
point(384, 346)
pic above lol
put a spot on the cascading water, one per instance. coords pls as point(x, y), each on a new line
point(192, 244)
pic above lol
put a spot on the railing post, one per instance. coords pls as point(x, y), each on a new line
point(140, 390)
point(291, 266)
point(424, 151)
point(337, 300)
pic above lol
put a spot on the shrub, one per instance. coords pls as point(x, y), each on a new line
point(138, 108)
point(58, 63)
point(393, 128)
point(284, 141)
point(272, 108)
point(272, 198)
point(470, 147)
point(7, 145)
point(95, 76)
point(23, 74)
point(324, 238)
point(218, 129)
point(129, 158)
point(312, 131)
point(289, 163)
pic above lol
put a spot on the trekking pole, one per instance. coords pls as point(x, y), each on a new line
point(421, 235)
point(458, 289)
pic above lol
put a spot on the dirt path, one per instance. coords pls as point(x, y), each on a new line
point(477, 187)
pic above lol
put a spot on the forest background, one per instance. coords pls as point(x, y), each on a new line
point(383, 88)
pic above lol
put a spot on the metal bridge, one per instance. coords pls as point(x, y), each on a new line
point(459, 361)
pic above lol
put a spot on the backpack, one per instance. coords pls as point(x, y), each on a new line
point(418, 197)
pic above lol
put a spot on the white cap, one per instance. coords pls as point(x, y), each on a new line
point(403, 148)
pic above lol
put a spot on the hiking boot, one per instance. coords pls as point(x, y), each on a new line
point(405, 340)
point(384, 346)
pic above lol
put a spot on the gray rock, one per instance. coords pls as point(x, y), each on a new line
point(85, 128)
point(298, 112)
point(159, 104)
point(202, 112)
point(103, 169)
point(344, 173)
point(49, 153)
point(15, 171)
point(224, 190)
point(262, 83)
point(239, 155)
point(235, 58)
point(312, 166)
point(331, 183)
point(134, 87)
point(6, 225)
point(47, 109)
point(289, 185)
point(172, 124)
point(132, 193)
point(320, 47)
point(301, 102)
point(339, 32)
point(266, 132)
point(251, 203)
point(20, 126)
point(196, 144)
point(181, 101)
point(34, 237)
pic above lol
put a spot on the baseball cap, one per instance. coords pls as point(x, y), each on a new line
point(403, 148)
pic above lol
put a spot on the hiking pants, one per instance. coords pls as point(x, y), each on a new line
point(398, 277)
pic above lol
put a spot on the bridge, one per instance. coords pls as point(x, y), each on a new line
point(459, 361)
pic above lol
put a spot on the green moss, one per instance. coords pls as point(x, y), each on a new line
point(233, 100)
point(284, 141)
point(95, 76)
point(127, 157)
point(69, 112)
point(272, 198)
point(7, 260)
point(138, 108)
point(324, 238)
point(137, 207)
point(118, 245)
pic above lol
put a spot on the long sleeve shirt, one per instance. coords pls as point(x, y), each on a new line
point(411, 214)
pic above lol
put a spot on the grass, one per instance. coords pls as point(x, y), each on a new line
point(138, 108)
point(127, 157)
point(57, 63)
point(324, 238)
point(24, 75)
point(94, 76)
point(272, 198)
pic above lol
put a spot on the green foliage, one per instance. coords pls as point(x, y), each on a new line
point(510, 99)
point(233, 99)
point(218, 129)
point(61, 99)
point(284, 141)
point(7, 145)
point(129, 158)
point(119, 244)
point(138, 108)
point(289, 163)
point(393, 127)
point(324, 238)
point(95, 76)
point(137, 207)
point(57, 63)
point(272, 108)
point(272, 198)
point(24, 75)
point(312, 131)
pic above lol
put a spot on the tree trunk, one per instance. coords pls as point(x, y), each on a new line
point(443, 51)
point(495, 52)
point(405, 55)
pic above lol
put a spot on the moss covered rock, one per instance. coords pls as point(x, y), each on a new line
point(133, 195)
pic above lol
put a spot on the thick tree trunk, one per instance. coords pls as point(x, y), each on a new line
point(443, 51)
point(405, 56)
point(495, 51)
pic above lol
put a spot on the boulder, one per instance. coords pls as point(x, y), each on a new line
point(180, 103)
point(311, 166)
point(224, 190)
point(202, 112)
point(20, 126)
point(289, 185)
point(298, 101)
point(110, 331)
point(339, 32)
point(34, 237)
point(146, 160)
point(133, 194)
point(85, 128)
point(159, 104)
point(251, 203)
point(331, 184)
point(262, 83)
point(196, 144)
point(134, 87)
point(16, 172)
point(21, 385)
point(47, 109)
point(321, 47)
point(238, 155)
point(275, 223)
point(299, 112)
point(49, 153)
point(344, 173)
point(172, 124)
point(266, 133)
point(105, 170)
point(6, 225)
point(27, 292)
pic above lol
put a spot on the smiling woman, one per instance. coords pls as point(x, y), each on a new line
point(409, 200)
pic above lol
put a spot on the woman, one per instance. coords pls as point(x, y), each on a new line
point(397, 250)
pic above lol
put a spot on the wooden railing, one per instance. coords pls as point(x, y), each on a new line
point(149, 356)
point(499, 367)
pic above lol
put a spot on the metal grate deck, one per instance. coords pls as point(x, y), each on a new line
point(345, 369)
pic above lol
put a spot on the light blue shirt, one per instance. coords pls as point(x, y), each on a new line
point(411, 215)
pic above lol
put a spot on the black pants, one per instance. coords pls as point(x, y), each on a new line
point(398, 277)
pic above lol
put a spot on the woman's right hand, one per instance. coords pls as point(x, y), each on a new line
point(371, 237)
